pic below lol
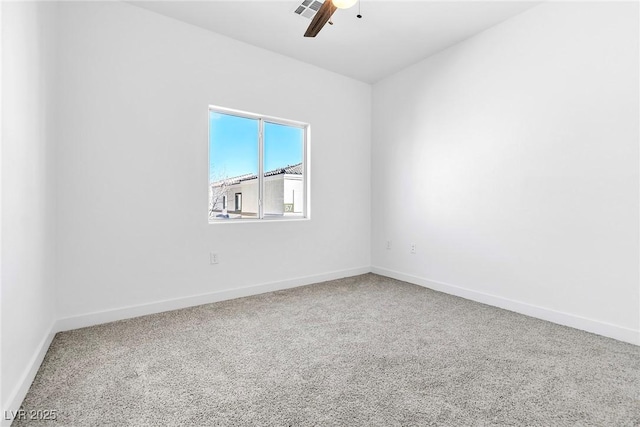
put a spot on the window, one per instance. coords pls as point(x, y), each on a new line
point(259, 164)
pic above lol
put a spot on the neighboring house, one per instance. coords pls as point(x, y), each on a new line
point(283, 193)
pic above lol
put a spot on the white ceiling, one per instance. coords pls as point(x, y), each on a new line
point(390, 36)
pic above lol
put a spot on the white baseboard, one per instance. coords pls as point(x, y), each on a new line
point(16, 397)
point(96, 318)
point(590, 325)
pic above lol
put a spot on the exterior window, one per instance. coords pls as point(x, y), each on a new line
point(261, 163)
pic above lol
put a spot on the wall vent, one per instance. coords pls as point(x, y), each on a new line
point(308, 8)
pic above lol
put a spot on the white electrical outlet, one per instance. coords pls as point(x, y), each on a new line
point(213, 258)
point(388, 244)
point(413, 248)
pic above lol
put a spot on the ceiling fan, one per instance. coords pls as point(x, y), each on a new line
point(324, 15)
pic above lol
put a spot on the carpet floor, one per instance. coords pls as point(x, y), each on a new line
point(360, 351)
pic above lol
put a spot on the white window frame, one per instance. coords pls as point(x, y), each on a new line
point(306, 212)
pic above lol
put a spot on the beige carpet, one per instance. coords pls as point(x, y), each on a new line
point(362, 351)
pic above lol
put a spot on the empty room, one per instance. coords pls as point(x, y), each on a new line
point(320, 213)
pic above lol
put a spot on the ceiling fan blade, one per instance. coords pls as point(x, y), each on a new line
point(321, 18)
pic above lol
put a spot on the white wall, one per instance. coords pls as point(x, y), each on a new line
point(27, 295)
point(293, 192)
point(274, 194)
point(511, 161)
point(132, 162)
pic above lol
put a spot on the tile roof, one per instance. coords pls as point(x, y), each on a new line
point(289, 170)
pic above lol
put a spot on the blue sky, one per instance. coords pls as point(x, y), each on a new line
point(233, 145)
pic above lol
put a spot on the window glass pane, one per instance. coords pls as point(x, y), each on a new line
point(283, 170)
point(233, 166)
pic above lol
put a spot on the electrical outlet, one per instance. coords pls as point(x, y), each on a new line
point(412, 248)
point(388, 244)
point(213, 258)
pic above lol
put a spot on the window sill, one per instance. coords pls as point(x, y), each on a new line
point(256, 220)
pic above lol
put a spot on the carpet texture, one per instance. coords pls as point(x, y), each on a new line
point(361, 351)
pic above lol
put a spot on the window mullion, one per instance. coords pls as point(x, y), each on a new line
point(305, 173)
point(261, 170)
